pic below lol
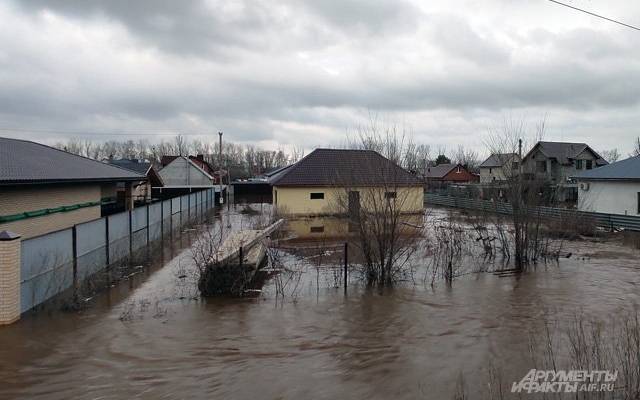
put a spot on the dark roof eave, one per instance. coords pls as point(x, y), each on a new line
point(354, 186)
point(56, 181)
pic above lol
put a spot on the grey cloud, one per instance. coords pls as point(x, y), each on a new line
point(370, 16)
point(455, 36)
point(184, 27)
point(265, 86)
point(201, 28)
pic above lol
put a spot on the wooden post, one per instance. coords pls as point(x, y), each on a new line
point(346, 262)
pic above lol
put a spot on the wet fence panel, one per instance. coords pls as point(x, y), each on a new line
point(46, 267)
point(138, 228)
point(166, 217)
point(155, 221)
point(91, 247)
point(47, 261)
point(184, 203)
point(193, 210)
point(118, 237)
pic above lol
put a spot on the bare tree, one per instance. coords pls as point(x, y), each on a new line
point(611, 155)
point(468, 158)
point(383, 208)
point(524, 190)
point(181, 146)
point(636, 147)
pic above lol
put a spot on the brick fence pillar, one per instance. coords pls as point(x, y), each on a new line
point(9, 277)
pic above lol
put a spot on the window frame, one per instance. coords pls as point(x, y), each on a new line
point(316, 195)
point(391, 195)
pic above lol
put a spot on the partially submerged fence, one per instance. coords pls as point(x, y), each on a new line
point(54, 262)
point(610, 221)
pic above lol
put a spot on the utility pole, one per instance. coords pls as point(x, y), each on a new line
point(228, 198)
point(519, 170)
point(220, 168)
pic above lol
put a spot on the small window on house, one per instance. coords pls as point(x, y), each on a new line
point(316, 196)
point(589, 164)
point(541, 166)
point(275, 197)
point(317, 229)
point(458, 170)
point(638, 202)
point(578, 164)
point(390, 195)
point(490, 171)
point(514, 165)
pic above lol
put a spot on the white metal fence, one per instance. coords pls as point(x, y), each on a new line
point(54, 262)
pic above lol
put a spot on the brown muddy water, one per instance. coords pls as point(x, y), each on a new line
point(150, 337)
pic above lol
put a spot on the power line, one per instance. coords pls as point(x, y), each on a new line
point(595, 15)
point(90, 133)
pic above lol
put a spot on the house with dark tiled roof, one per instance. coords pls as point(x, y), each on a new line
point(141, 191)
point(43, 189)
point(315, 184)
point(611, 189)
point(557, 162)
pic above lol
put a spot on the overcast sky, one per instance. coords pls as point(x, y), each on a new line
point(305, 72)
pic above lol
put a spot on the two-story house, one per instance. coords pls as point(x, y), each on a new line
point(557, 162)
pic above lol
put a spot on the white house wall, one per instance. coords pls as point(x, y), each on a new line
point(610, 197)
point(181, 172)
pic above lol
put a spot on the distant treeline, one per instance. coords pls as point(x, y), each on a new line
point(242, 160)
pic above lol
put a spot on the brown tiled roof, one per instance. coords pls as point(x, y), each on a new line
point(339, 167)
point(439, 171)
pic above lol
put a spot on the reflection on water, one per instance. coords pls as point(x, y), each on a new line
point(330, 228)
point(406, 342)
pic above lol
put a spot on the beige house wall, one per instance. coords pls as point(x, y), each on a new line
point(297, 200)
point(492, 174)
point(19, 199)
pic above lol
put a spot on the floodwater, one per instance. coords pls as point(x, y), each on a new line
point(149, 338)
